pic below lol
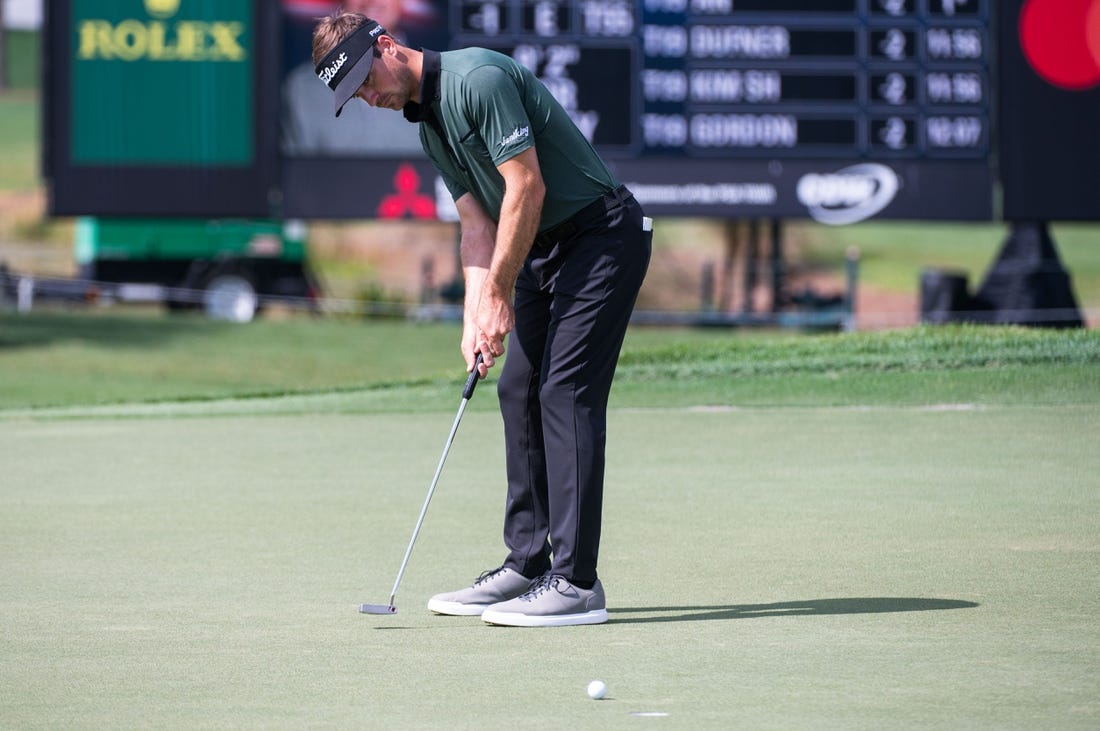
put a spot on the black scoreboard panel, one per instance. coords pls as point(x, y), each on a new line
point(835, 109)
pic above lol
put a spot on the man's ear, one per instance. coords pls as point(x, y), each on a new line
point(385, 44)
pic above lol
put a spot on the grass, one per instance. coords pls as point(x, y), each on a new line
point(19, 115)
point(860, 531)
point(57, 360)
point(22, 58)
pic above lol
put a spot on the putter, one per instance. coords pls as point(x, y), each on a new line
point(467, 392)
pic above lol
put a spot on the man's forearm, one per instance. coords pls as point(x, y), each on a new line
point(476, 249)
point(520, 212)
point(519, 219)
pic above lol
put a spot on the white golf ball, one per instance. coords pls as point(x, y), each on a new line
point(597, 690)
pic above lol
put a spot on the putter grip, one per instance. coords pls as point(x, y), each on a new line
point(471, 382)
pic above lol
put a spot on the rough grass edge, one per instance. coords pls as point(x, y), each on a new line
point(922, 349)
point(919, 349)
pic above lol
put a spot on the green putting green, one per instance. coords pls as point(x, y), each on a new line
point(766, 567)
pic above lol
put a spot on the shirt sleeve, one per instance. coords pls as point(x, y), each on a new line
point(495, 108)
point(455, 188)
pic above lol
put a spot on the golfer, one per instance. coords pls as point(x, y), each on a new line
point(554, 251)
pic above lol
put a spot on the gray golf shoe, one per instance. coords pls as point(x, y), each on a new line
point(493, 586)
point(551, 602)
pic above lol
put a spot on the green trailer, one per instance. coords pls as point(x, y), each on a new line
point(231, 269)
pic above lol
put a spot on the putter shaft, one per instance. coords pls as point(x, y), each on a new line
point(428, 499)
point(467, 393)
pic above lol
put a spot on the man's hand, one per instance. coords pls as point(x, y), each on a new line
point(495, 319)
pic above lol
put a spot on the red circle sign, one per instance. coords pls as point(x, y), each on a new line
point(1061, 41)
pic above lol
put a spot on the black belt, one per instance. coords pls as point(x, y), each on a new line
point(594, 211)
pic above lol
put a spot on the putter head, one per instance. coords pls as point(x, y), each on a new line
point(377, 609)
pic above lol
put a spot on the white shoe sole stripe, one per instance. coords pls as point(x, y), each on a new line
point(518, 619)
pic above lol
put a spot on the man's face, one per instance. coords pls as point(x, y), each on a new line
point(390, 83)
point(386, 12)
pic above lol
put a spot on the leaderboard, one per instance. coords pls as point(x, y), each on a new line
point(891, 81)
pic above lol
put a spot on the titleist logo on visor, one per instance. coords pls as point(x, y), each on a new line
point(347, 53)
point(329, 72)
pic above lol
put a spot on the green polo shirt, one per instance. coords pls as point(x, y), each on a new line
point(489, 108)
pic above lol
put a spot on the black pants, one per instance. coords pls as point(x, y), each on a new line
point(573, 303)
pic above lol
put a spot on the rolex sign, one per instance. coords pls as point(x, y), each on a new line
point(162, 82)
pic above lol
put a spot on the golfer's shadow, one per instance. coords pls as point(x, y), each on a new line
point(854, 605)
